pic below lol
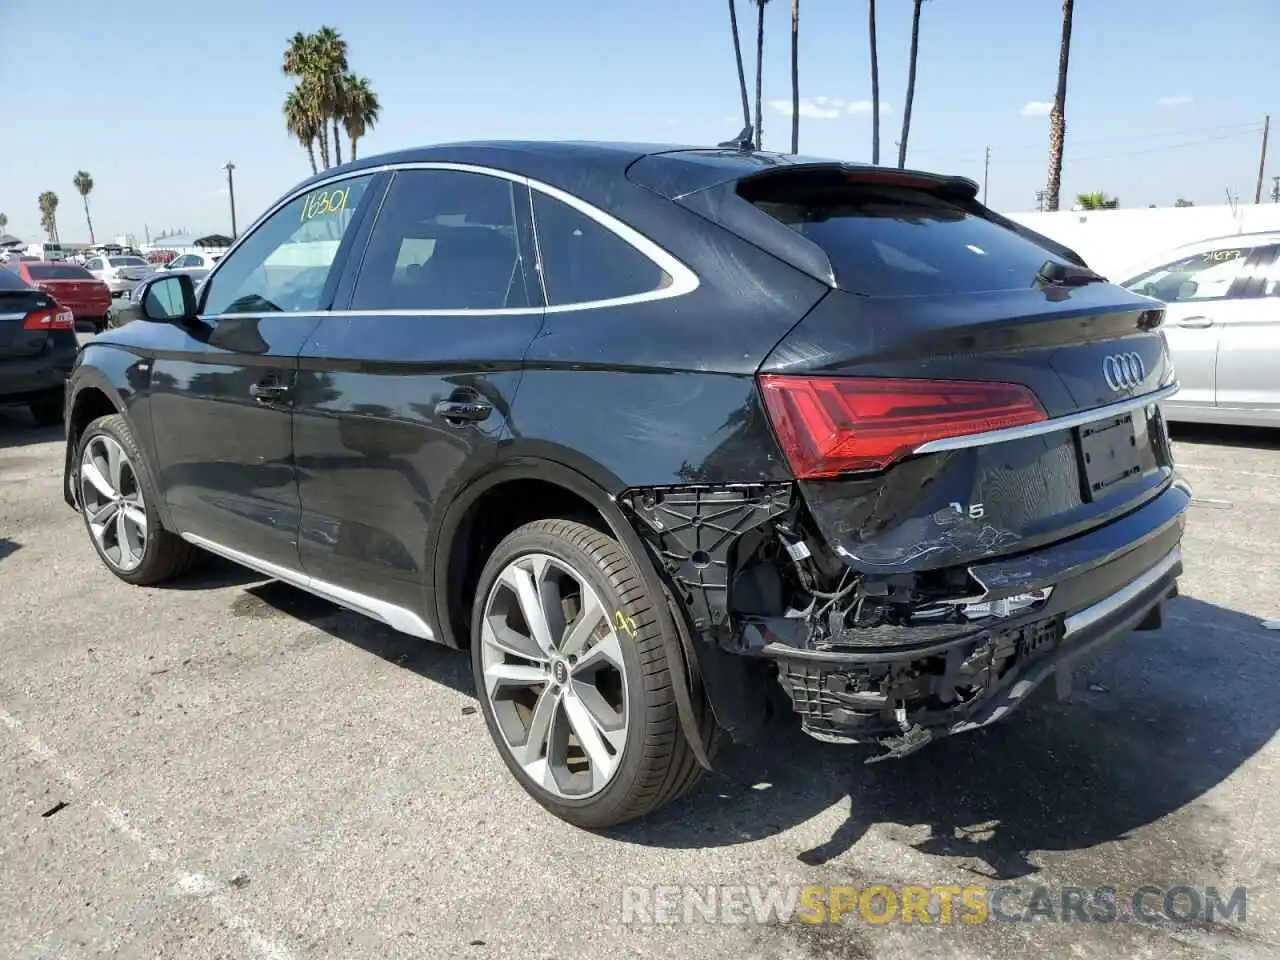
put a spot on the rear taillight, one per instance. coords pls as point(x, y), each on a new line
point(55, 319)
point(833, 425)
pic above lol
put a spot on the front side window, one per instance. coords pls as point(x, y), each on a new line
point(178, 263)
point(94, 264)
point(444, 240)
point(282, 267)
point(1201, 276)
point(585, 262)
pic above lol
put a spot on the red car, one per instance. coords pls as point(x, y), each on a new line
point(73, 287)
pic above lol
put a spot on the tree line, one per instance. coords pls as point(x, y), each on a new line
point(1057, 113)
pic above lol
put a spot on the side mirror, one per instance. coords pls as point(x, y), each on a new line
point(169, 300)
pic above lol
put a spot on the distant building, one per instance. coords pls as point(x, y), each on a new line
point(189, 243)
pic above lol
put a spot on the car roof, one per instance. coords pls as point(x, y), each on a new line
point(683, 168)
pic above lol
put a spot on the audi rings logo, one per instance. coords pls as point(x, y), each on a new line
point(1123, 371)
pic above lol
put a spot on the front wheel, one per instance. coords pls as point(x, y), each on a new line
point(572, 676)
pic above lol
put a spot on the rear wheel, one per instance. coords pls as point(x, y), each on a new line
point(572, 676)
point(117, 502)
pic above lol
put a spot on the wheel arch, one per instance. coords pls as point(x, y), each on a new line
point(456, 557)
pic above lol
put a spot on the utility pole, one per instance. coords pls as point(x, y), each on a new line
point(231, 192)
point(1275, 190)
point(986, 173)
point(1262, 164)
point(1040, 200)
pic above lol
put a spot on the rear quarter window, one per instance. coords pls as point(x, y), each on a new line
point(9, 279)
point(585, 262)
point(901, 241)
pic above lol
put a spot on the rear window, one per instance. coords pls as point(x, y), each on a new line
point(899, 241)
point(58, 271)
point(9, 279)
point(127, 262)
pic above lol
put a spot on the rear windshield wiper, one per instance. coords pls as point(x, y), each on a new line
point(1067, 275)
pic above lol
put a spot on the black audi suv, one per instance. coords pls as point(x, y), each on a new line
point(657, 434)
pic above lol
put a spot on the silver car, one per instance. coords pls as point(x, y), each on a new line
point(1222, 322)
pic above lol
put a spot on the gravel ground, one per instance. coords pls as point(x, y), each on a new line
point(229, 768)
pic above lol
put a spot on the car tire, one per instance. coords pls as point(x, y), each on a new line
point(613, 682)
point(46, 411)
point(118, 498)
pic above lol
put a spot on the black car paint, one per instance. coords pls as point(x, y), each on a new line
point(353, 476)
point(34, 364)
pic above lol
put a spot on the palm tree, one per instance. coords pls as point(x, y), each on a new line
point(48, 202)
point(330, 67)
point(760, 73)
point(84, 183)
point(875, 84)
point(1058, 115)
point(911, 85)
point(299, 61)
point(737, 55)
point(795, 76)
point(360, 108)
point(4, 221)
point(301, 121)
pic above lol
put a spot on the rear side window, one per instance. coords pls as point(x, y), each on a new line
point(444, 240)
point(584, 262)
point(9, 279)
point(888, 240)
point(58, 271)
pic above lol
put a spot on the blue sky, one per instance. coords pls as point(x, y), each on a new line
point(1166, 98)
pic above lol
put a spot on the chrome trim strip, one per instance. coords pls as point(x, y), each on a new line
point(1104, 608)
point(12, 316)
point(1078, 419)
point(398, 618)
point(683, 280)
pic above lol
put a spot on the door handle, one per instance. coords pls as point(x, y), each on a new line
point(268, 391)
point(458, 410)
point(1197, 323)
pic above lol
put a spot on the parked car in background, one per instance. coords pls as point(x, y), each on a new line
point(120, 273)
point(46, 250)
point(194, 261)
point(73, 287)
point(652, 432)
point(14, 257)
point(1222, 323)
point(37, 348)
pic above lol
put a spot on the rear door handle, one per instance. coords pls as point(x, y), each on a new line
point(268, 391)
point(1198, 323)
point(463, 410)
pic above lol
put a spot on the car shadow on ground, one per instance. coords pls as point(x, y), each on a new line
point(8, 546)
point(1150, 728)
point(1254, 438)
point(17, 429)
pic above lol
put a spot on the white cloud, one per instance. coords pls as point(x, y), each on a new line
point(1036, 108)
point(826, 108)
point(1173, 101)
point(864, 106)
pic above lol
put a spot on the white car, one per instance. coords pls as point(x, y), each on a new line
point(119, 273)
point(193, 261)
point(1222, 323)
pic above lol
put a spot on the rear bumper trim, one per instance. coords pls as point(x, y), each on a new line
point(1087, 617)
point(1067, 422)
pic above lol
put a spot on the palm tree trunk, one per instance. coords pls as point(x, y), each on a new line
point(88, 219)
point(1058, 115)
point(737, 55)
point(311, 154)
point(337, 145)
point(795, 76)
point(353, 146)
point(875, 84)
point(760, 74)
point(911, 86)
point(322, 139)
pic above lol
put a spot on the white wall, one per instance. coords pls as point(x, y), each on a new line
point(1113, 240)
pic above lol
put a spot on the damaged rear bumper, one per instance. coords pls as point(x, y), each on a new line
point(907, 692)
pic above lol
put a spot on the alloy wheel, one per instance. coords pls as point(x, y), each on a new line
point(111, 498)
point(554, 676)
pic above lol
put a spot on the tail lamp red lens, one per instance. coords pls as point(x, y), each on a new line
point(55, 319)
point(833, 425)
